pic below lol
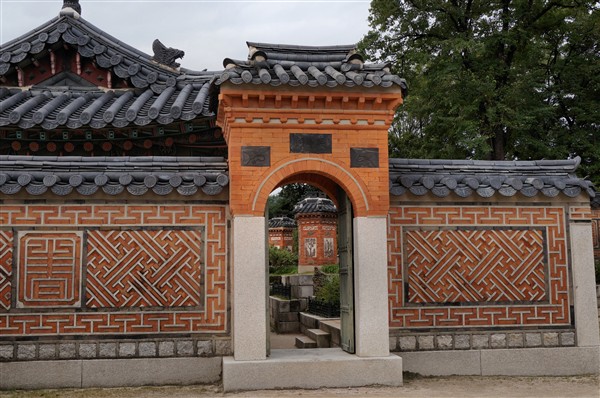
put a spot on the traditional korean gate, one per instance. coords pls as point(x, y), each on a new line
point(346, 272)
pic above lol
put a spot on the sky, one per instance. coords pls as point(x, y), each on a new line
point(208, 31)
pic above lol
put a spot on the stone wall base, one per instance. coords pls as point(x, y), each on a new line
point(124, 348)
point(109, 373)
point(559, 361)
point(480, 340)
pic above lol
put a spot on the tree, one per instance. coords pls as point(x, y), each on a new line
point(282, 204)
point(500, 79)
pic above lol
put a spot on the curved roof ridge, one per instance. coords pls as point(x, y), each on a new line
point(92, 42)
point(63, 175)
point(486, 178)
point(569, 165)
point(300, 47)
point(311, 66)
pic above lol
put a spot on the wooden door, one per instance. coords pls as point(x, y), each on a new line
point(346, 272)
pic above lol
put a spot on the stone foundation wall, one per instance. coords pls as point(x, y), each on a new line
point(114, 348)
point(479, 340)
point(285, 314)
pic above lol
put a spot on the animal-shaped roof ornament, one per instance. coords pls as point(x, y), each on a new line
point(166, 55)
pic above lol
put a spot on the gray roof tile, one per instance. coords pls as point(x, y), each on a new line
point(113, 175)
point(282, 222)
point(50, 106)
point(315, 205)
point(294, 65)
point(486, 178)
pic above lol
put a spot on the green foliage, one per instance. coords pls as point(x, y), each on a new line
point(493, 79)
point(329, 291)
point(330, 269)
point(282, 261)
point(597, 266)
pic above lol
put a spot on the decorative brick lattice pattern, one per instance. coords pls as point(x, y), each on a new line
point(159, 268)
point(554, 310)
point(211, 317)
point(49, 269)
point(6, 254)
point(446, 266)
point(582, 213)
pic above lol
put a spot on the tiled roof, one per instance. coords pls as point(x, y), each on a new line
point(331, 66)
point(62, 175)
point(281, 222)
point(315, 205)
point(154, 92)
point(158, 93)
point(486, 178)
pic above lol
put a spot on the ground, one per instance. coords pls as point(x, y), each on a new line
point(414, 386)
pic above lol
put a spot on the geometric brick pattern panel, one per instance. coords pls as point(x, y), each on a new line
point(144, 268)
point(205, 312)
point(544, 305)
point(6, 259)
point(472, 266)
point(49, 271)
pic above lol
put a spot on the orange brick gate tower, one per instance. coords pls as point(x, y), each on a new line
point(316, 115)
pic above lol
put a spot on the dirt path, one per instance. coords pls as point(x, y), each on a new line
point(416, 387)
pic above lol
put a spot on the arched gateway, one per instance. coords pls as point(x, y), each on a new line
point(333, 135)
point(133, 232)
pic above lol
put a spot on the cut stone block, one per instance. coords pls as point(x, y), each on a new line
point(322, 338)
point(305, 342)
point(321, 367)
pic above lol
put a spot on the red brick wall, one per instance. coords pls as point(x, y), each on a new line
point(151, 269)
point(317, 240)
point(477, 266)
point(282, 238)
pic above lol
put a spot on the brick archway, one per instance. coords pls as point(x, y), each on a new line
point(322, 173)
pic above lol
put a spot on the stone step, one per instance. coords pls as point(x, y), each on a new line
point(305, 342)
point(332, 326)
point(322, 338)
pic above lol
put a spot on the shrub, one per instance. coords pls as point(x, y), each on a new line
point(330, 269)
point(329, 291)
point(282, 261)
point(597, 263)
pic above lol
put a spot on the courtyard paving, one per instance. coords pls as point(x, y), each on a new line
point(414, 386)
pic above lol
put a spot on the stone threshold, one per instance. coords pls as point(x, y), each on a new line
point(311, 369)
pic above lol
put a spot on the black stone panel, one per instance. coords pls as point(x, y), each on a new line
point(256, 156)
point(310, 143)
point(364, 157)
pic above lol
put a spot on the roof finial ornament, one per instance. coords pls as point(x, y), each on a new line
point(71, 8)
point(166, 55)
